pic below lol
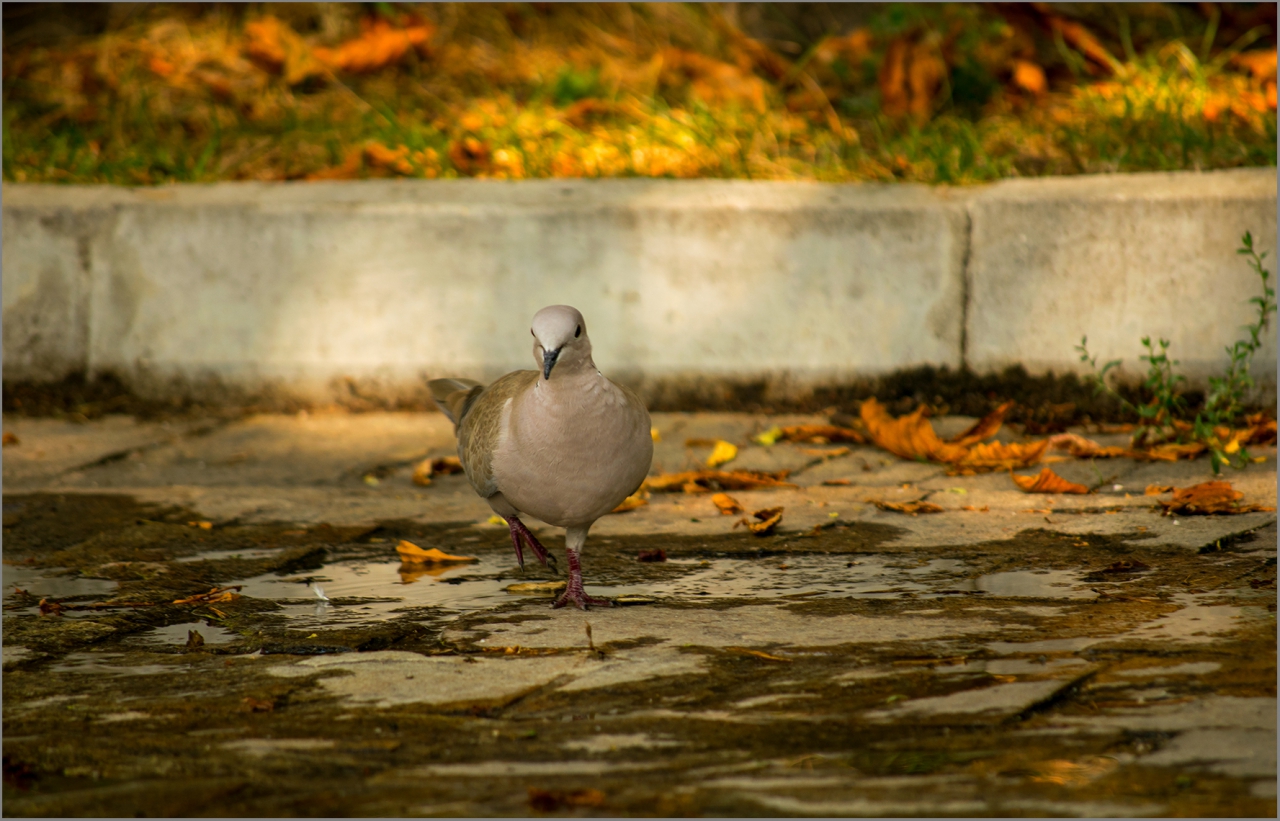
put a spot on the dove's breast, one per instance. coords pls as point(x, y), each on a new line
point(570, 450)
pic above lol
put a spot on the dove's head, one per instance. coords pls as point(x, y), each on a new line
point(560, 340)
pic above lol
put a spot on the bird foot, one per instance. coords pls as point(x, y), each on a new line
point(522, 536)
point(575, 594)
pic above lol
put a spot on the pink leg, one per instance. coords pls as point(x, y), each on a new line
point(521, 534)
point(574, 591)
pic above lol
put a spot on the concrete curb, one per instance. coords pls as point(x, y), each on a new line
point(307, 291)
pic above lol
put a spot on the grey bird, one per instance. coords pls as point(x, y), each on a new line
point(563, 444)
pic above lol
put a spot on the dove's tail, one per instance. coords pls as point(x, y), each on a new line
point(454, 396)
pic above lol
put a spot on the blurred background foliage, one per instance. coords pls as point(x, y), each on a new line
point(149, 93)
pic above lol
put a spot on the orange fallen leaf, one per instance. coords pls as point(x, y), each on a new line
point(837, 482)
point(1029, 77)
point(911, 508)
point(410, 552)
point(704, 481)
point(976, 509)
point(1209, 498)
point(768, 520)
point(1083, 448)
point(277, 47)
point(443, 465)
point(1047, 482)
point(821, 434)
point(410, 572)
point(1156, 490)
point(726, 504)
point(1002, 456)
point(378, 45)
point(984, 428)
point(9, 439)
point(910, 436)
point(216, 595)
point(1171, 452)
point(635, 500)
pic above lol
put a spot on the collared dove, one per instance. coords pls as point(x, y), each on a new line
point(563, 443)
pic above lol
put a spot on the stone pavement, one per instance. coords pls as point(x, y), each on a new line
point(1013, 655)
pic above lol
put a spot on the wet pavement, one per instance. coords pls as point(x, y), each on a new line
point(1032, 655)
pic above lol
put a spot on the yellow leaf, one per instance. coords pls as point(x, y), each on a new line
point(410, 552)
point(768, 437)
point(497, 520)
point(535, 588)
point(635, 500)
point(721, 453)
point(655, 434)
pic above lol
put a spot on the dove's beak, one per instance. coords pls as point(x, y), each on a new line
point(549, 362)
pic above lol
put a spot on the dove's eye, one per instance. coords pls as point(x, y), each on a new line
point(578, 332)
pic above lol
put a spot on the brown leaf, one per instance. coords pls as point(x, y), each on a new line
point(911, 508)
point(1156, 490)
point(585, 113)
point(635, 500)
point(1209, 498)
point(984, 428)
point(704, 481)
point(9, 439)
point(553, 800)
point(1083, 448)
point(910, 436)
point(1126, 566)
point(410, 552)
point(422, 473)
point(726, 504)
point(821, 434)
point(976, 509)
point(214, 596)
point(378, 45)
point(1170, 452)
point(258, 705)
point(1001, 456)
point(1047, 482)
point(760, 654)
point(195, 641)
point(768, 520)
point(277, 47)
point(837, 482)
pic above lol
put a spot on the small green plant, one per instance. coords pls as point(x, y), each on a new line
point(1161, 417)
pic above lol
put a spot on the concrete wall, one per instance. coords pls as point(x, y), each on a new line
point(310, 290)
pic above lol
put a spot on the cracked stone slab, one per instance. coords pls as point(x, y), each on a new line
point(1234, 751)
point(386, 678)
point(1000, 699)
point(751, 625)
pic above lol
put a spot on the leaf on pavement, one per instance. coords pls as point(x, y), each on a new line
point(767, 520)
point(410, 552)
point(635, 500)
point(1082, 448)
point(911, 508)
point(1001, 456)
point(726, 504)
point(704, 481)
point(721, 453)
point(1047, 482)
point(910, 436)
point(9, 439)
point(819, 434)
point(984, 428)
point(1156, 490)
point(1209, 498)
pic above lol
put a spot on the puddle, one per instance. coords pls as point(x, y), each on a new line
point(177, 634)
point(48, 583)
point(102, 664)
point(360, 591)
point(1040, 584)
